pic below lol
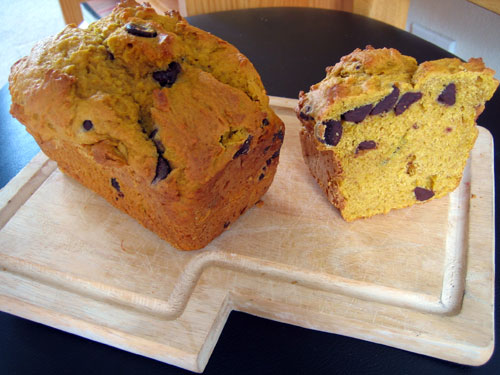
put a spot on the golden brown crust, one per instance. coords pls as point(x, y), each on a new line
point(324, 166)
point(363, 73)
point(169, 123)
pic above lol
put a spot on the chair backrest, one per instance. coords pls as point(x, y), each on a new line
point(393, 12)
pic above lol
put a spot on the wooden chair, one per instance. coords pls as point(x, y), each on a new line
point(389, 11)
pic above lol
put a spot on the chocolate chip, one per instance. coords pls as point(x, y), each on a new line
point(111, 56)
point(357, 115)
point(139, 30)
point(159, 146)
point(333, 132)
point(266, 149)
point(386, 104)
point(275, 155)
point(162, 169)
point(269, 161)
point(265, 122)
point(303, 116)
point(366, 145)
point(115, 184)
point(167, 77)
point(406, 101)
point(244, 147)
point(226, 224)
point(87, 125)
point(423, 194)
point(448, 95)
point(279, 135)
point(262, 175)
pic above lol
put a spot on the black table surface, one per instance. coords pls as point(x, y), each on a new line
point(290, 47)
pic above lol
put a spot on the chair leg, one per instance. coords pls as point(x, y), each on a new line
point(71, 11)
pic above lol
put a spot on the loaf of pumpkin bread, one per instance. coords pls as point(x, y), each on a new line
point(165, 121)
point(381, 132)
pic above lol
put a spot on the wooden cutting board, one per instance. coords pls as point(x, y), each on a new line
point(420, 278)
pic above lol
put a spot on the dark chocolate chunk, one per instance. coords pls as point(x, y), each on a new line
point(366, 145)
point(265, 122)
point(226, 224)
point(168, 77)
point(115, 184)
point(279, 135)
point(423, 194)
point(139, 30)
point(87, 125)
point(276, 154)
point(159, 146)
point(111, 56)
point(333, 132)
point(448, 95)
point(269, 161)
point(406, 101)
point(162, 169)
point(266, 149)
point(386, 104)
point(357, 115)
point(303, 116)
point(244, 147)
point(262, 175)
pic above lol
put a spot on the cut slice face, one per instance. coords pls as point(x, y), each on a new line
point(381, 132)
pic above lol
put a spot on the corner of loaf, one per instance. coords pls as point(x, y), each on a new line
point(382, 132)
point(167, 122)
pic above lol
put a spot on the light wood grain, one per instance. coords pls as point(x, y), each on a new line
point(389, 11)
point(420, 279)
point(492, 5)
point(392, 12)
point(201, 7)
point(72, 13)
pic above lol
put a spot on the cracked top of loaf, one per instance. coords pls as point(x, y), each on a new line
point(368, 76)
point(144, 91)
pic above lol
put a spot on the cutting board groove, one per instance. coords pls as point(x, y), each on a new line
point(419, 279)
